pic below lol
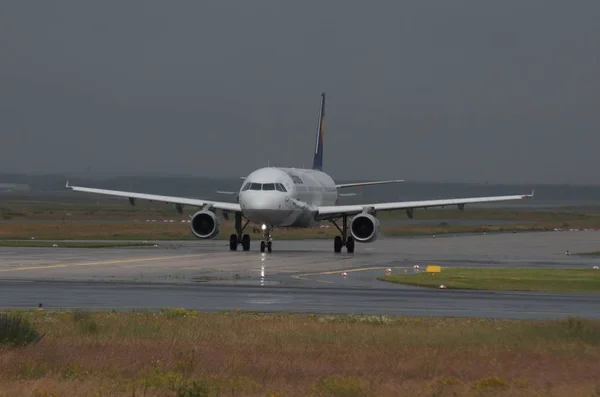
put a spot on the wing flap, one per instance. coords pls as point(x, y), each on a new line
point(338, 210)
point(231, 207)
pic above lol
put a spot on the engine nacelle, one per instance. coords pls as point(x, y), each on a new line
point(364, 228)
point(205, 224)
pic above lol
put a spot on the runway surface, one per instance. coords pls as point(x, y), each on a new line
point(299, 276)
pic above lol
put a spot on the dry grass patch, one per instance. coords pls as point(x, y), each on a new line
point(182, 353)
point(57, 226)
point(108, 209)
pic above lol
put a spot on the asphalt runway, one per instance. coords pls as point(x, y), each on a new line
point(299, 276)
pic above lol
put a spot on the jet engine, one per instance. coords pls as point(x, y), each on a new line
point(364, 228)
point(205, 224)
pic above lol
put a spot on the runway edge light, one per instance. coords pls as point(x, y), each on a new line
point(433, 269)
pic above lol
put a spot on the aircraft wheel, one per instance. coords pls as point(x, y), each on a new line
point(269, 246)
point(262, 246)
point(350, 245)
point(233, 242)
point(337, 244)
point(246, 242)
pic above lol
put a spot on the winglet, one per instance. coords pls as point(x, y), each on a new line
point(67, 185)
point(529, 195)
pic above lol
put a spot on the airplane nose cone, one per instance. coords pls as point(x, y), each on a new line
point(260, 201)
point(263, 208)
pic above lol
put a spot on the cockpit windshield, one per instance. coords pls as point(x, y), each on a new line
point(264, 186)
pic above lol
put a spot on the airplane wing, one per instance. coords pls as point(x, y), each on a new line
point(333, 211)
point(344, 185)
point(224, 206)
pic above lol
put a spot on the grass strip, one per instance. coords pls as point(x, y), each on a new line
point(503, 279)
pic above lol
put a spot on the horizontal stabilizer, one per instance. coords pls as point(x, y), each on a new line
point(344, 185)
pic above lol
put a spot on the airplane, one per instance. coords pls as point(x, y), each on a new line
point(276, 197)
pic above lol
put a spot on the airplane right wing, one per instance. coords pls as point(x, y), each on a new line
point(224, 206)
point(335, 211)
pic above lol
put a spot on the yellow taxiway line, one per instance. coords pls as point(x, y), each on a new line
point(360, 269)
point(99, 263)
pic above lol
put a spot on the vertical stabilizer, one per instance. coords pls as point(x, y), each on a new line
point(318, 160)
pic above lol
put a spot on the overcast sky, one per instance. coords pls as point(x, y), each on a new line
point(504, 91)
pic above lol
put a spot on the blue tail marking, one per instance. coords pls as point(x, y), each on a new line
point(318, 159)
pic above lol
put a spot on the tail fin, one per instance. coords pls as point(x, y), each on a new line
point(318, 159)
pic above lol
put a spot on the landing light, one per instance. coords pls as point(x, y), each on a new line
point(263, 227)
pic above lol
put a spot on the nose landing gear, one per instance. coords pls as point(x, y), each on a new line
point(344, 239)
point(244, 239)
point(266, 243)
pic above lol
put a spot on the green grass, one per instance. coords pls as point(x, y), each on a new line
point(15, 330)
point(593, 253)
point(70, 244)
point(504, 279)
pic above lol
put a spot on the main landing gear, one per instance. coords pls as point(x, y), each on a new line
point(344, 239)
point(237, 239)
point(266, 243)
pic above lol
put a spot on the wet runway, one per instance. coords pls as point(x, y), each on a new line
point(299, 276)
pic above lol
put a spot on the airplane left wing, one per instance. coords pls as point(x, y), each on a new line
point(224, 206)
point(334, 211)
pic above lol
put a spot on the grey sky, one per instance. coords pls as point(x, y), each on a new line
point(431, 90)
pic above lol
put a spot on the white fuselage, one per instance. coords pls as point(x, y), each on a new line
point(286, 197)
